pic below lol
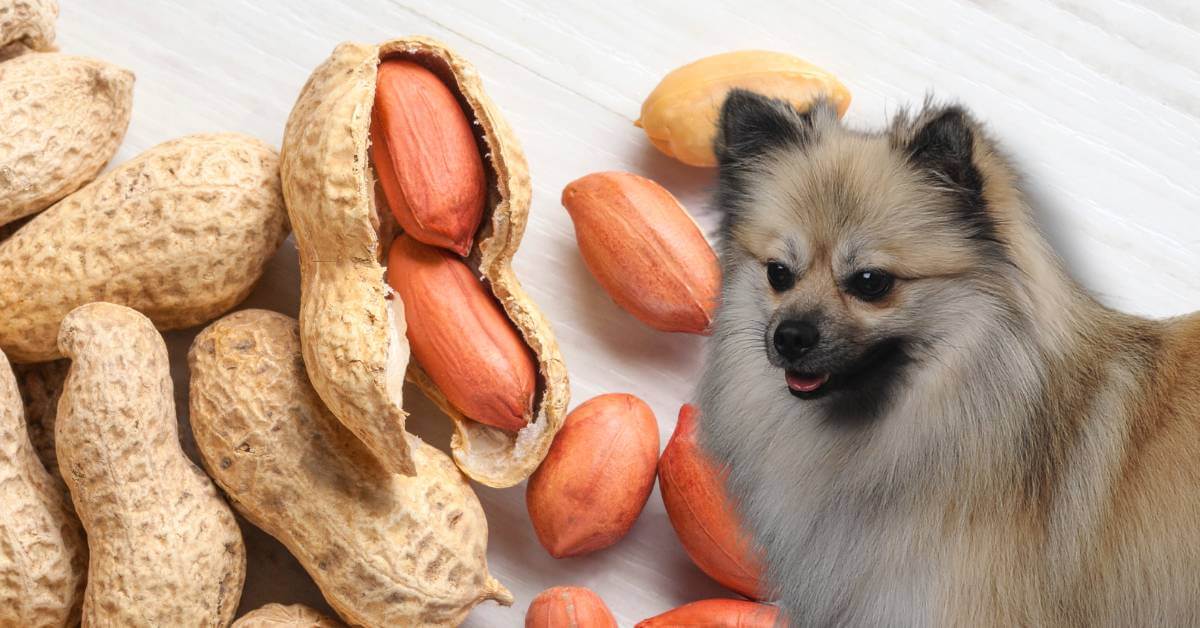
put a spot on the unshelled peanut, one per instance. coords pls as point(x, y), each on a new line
point(165, 548)
point(568, 607)
point(62, 119)
point(596, 479)
point(680, 115)
point(704, 518)
point(461, 337)
point(385, 549)
point(645, 250)
point(43, 557)
point(180, 233)
point(426, 157)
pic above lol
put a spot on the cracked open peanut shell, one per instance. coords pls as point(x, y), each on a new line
point(352, 326)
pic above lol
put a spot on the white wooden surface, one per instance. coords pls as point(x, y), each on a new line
point(1098, 100)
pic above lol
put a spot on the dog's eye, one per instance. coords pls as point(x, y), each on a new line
point(869, 285)
point(780, 276)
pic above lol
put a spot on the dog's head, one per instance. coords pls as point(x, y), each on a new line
point(848, 254)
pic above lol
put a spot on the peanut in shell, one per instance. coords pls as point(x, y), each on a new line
point(180, 233)
point(385, 549)
point(164, 548)
point(62, 119)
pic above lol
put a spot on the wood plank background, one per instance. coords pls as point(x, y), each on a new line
point(1099, 101)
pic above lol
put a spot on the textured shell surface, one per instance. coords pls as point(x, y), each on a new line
point(354, 344)
point(416, 552)
point(43, 556)
point(40, 385)
point(289, 616)
point(165, 548)
point(180, 233)
point(62, 119)
point(27, 24)
point(351, 334)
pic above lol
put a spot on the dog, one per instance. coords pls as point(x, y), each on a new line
point(926, 422)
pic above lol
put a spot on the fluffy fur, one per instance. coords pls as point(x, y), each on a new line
point(1019, 455)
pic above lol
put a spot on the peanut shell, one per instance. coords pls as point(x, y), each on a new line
point(165, 548)
point(43, 557)
point(290, 616)
point(354, 343)
point(41, 385)
point(385, 549)
point(26, 25)
point(181, 233)
point(61, 120)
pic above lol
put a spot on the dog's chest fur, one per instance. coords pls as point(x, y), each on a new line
point(968, 503)
point(869, 525)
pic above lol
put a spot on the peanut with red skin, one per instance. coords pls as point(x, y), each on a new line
point(573, 607)
point(461, 337)
point(593, 484)
point(704, 518)
point(645, 250)
point(716, 613)
point(426, 157)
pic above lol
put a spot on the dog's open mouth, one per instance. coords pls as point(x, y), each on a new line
point(805, 384)
point(878, 365)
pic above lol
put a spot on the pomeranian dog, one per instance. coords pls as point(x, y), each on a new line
point(926, 422)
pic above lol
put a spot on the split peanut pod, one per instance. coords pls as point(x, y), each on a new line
point(61, 119)
point(385, 549)
point(290, 616)
point(180, 233)
point(353, 328)
point(43, 557)
point(165, 548)
point(26, 25)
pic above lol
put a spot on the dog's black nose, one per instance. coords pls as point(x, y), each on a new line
point(794, 338)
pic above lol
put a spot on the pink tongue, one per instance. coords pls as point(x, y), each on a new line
point(795, 381)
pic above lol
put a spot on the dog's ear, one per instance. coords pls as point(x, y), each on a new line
point(943, 144)
point(751, 124)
